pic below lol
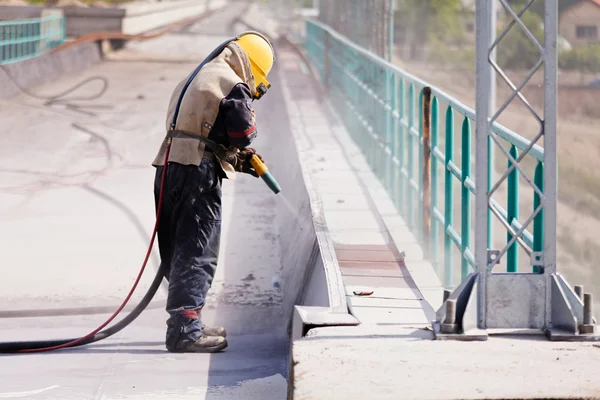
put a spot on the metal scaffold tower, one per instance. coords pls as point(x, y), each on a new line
point(487, 302)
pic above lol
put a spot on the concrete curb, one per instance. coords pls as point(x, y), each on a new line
point(307, 311)
point(315, 306)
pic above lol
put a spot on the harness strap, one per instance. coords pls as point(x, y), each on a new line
point(218, 150)
point(211, 145)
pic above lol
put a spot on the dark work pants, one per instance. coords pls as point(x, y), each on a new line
point(189, 233)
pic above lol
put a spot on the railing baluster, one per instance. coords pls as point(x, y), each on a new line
point(402, 150)
point(435, 131)
point(390, 89)
point(411, 151)
point(538, 221)
point(420, 191)
point(396, 132)
point(465, 229)
point(512, 255)
point(448, 199)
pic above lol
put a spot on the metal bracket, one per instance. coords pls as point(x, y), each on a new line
point(537, 259)
point(493, 257)
point(572, 317)
point(457, 317)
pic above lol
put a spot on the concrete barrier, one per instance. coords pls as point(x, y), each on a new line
point(143, 17)
point(132, 18)
point(314, 294)
point(36, 71)
point(19, 12)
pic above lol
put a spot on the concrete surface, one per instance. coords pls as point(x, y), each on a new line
point(77, 208)
point(391, 355)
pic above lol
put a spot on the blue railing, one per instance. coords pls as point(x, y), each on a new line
point(396, 119)
point(24, 39)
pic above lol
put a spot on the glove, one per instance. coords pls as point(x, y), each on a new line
point(241, 161)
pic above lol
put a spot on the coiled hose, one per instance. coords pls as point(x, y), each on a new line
point(97, 334)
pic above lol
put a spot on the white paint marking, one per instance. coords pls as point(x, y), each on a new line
point(12, 395)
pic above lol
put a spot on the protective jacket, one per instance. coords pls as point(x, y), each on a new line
point(217, 105)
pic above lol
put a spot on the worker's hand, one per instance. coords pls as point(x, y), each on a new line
point(243, 161)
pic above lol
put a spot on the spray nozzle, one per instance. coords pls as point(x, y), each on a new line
point(262, 171)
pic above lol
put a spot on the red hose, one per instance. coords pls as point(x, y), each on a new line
point(108, 321)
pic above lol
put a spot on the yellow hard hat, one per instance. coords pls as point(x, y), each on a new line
point(261, 55)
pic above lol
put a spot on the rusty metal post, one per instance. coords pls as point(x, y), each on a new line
point(426, 173)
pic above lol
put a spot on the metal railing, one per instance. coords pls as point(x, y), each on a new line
point(24, 39)
point(396, 119)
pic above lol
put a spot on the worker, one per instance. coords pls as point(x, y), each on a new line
point(215, 125)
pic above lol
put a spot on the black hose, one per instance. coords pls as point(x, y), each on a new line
point(11, 347)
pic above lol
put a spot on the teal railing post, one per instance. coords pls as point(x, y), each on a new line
point(448, 198)
point(381, 122)
point(371, 116)
point(465, 228)
point(435, 131)
point(538, 221)
point(422, 168)
point(19, 40)
point(411, 161)
point(402, 148)
point(391, 131)
point(395, 141)
point(512, 255)
point(490, 184)
point(63, 27)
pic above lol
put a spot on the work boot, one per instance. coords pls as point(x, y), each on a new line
point(214, 331)
point(204, 344)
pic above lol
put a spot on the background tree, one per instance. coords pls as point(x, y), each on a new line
point(516, 50)
point(423, 22)
point(585, 59)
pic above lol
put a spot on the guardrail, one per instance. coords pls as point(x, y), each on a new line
point(379, 104)
point(29, 38)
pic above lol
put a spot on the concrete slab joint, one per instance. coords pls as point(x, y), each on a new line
point(306, 318)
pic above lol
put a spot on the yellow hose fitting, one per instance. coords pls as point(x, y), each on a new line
point(262, 171)
point(258, 165)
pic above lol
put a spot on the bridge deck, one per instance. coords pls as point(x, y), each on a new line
point(389, 356)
